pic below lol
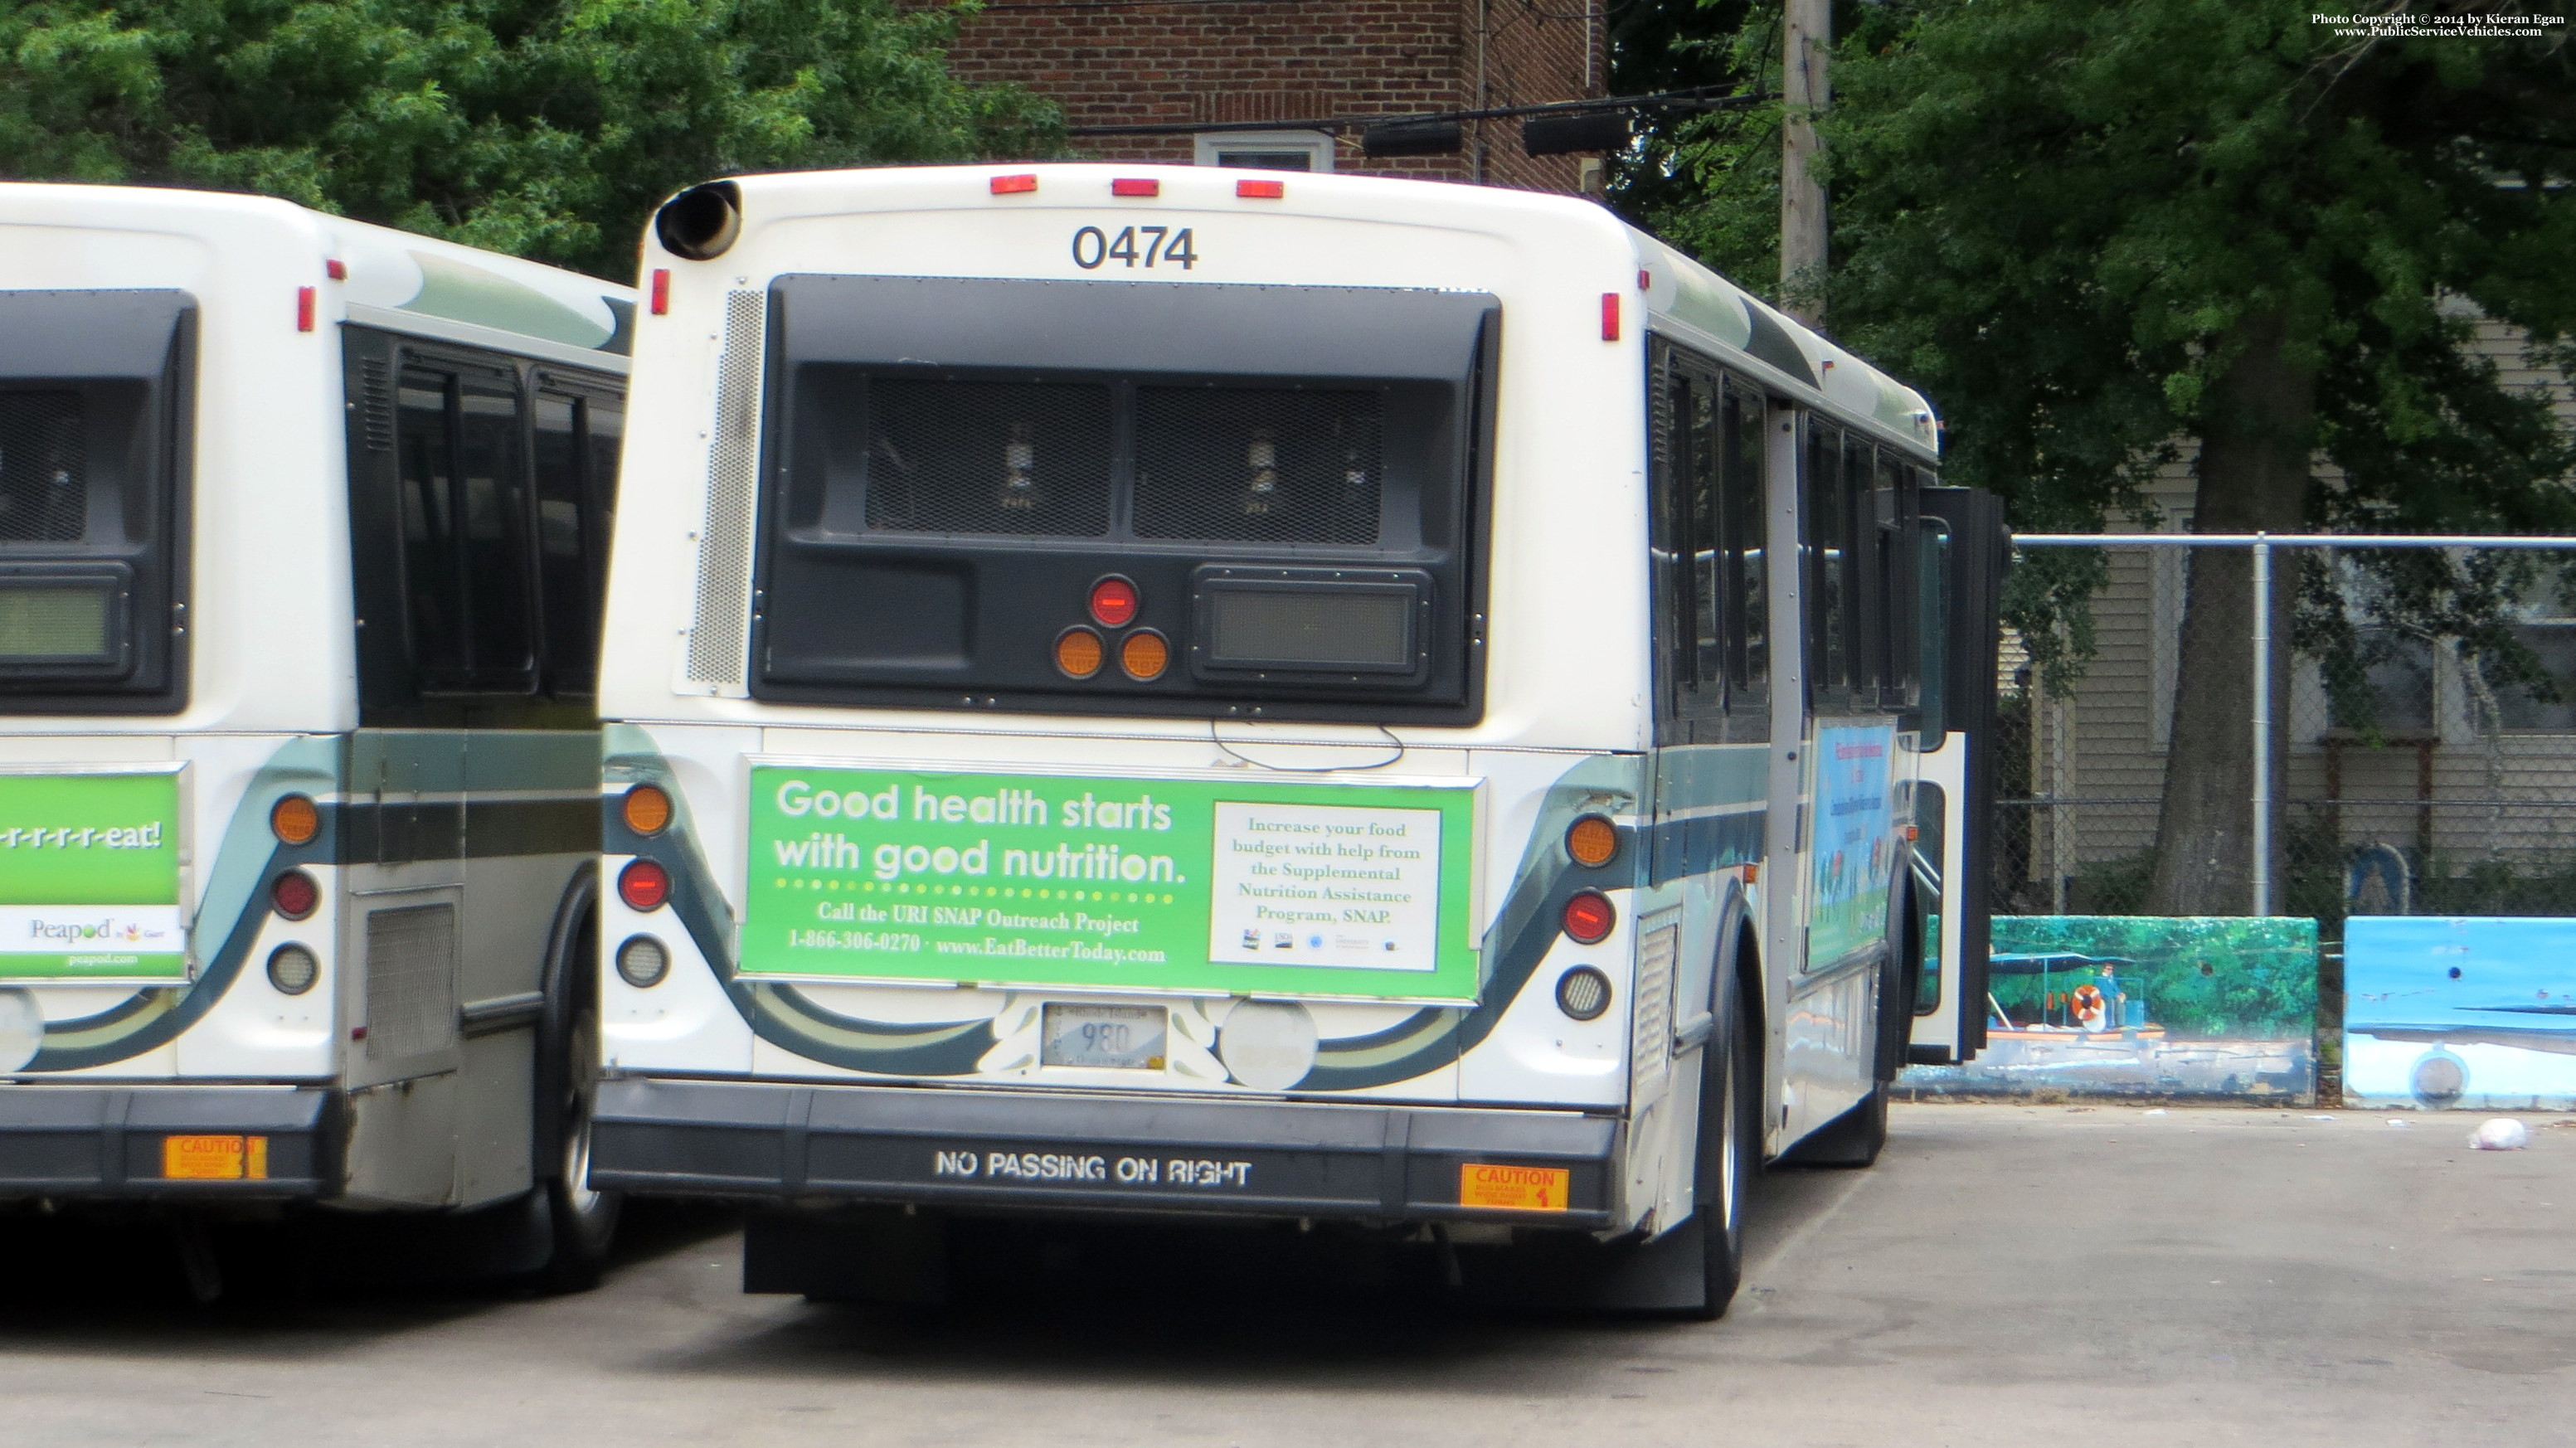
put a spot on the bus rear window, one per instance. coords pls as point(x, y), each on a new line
point(1287, 479)
point(93, 499)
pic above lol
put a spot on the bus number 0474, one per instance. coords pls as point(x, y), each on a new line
point(1094, 248)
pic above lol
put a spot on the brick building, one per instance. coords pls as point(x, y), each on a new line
point(1188, 65)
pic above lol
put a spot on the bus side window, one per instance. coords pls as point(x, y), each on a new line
point(433, 591)
point(501, 604)
point(464, 506)
point(1746, 589)
point(1668, 529)
point(1700, 553)
point(563, 546)
point(1825, 529)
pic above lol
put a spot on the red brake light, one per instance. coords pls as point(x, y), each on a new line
point(304, 309)
point(1589, 917)
point(1114, 602)
point(661, 291)
point(1135, 186)
point(1263, 190)
point(1609, 316)
point(1007, 185)
point(643, 885)
point(294, 894)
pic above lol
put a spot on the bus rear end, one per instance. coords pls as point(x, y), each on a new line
point(1123, 695)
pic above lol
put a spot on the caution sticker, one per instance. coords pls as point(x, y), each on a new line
point(214, 1158)
point(1522, 1188)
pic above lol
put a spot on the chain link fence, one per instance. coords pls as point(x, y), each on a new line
point(2421, 732)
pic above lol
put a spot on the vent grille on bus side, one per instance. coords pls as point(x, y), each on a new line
point(988, 457)
point(376, 402)
point(719, 639)
point(1653, 1027)
point(1257, 465)
point(411, 973)
point(44, 471)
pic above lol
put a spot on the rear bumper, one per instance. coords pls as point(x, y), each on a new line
point(89, 1143)
point(771, 1141)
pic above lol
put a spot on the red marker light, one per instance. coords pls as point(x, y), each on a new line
point(1135, 186)
point(661, 291)
point(295, 895)
point(1589, 918)
point(336, 269)
point(1261, 190)
point(1114, 602)
point(1008, 185)
point(1609, 316)
point(643, 885)
point(1645, 280)
point(304, 309)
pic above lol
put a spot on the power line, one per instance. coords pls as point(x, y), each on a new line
point(1695, 98)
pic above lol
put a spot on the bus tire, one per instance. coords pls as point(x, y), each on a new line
point(584, 1221)
point(1730, 1136)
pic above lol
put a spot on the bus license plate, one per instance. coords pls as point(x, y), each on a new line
point(1117, 1037)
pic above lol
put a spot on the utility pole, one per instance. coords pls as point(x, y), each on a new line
point(1805, 90)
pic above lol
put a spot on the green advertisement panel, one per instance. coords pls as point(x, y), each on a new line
point(1244, 886)
point(89, 877)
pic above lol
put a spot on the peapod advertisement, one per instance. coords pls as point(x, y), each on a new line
point(89, 877)
point(1250, 887)
point(1854, 852)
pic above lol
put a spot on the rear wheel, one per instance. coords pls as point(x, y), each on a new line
point(1729, 1130)
point(584, 1220)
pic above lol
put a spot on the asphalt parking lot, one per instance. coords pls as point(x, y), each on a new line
point(2100, 1276)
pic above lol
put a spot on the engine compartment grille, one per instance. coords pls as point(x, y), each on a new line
point(44, 482)
point(988, 457)
point(1257, 464)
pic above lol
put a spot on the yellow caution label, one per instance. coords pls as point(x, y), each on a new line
point(206, 1158)
point(1522, 1188)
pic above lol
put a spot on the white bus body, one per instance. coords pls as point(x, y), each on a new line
point(1113, 667)
point(302, 523)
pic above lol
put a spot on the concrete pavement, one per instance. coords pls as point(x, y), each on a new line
point(2101, 1276)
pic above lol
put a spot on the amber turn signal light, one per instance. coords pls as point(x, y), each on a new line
point(1144, 655)
point(1079, 653)
point(647, 809)
point(295, 820)
point(1592, 841)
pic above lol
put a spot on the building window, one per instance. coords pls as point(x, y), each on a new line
point(2546, 627)
point(1267, 150)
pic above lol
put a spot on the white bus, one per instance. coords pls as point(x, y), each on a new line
point(303, 525)
point(1165, 690)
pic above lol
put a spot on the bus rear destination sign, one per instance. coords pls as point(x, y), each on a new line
point(1249, 887)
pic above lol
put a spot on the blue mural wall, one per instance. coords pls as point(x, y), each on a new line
point(2471, 1013)
point(2144, 1007)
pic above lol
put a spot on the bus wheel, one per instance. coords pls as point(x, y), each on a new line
point(1730, 1133)
point(584, 1220)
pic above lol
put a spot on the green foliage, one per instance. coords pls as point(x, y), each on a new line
point(2065, 221)
point(546, 128)
point(2203, 977)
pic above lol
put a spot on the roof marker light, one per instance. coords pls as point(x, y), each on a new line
point(661, 291)
point(1645, 280)
point(1609, 316)
point(336, 269)
point(1262, 190)
point(304, 309)
point(1135, 186)
point(1011, 185)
